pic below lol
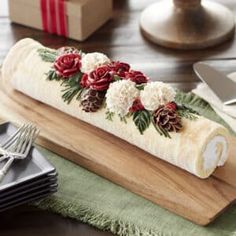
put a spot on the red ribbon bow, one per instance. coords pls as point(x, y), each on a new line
point(54, 18)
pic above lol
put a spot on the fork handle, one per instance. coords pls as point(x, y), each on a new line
point(6, 167)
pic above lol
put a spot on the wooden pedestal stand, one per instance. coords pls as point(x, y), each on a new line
point(191, 24)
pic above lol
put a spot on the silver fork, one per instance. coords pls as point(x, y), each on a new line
point(20, 148)
point(4, 147)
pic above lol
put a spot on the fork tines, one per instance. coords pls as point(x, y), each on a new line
point(20, 142)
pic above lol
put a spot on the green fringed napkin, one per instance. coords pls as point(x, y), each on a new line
point(87, 197)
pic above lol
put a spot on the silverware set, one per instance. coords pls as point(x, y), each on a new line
point(25, 174)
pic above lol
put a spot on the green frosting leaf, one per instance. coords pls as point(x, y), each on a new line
point(142, 120)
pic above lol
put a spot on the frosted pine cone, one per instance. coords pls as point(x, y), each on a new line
point(92, 100)
point(67, 50)
point(168, 119)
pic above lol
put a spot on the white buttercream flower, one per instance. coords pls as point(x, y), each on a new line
point(120, 96)
point(156, 94)
point(91, 61)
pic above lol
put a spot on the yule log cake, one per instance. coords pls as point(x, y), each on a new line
point(122, 101)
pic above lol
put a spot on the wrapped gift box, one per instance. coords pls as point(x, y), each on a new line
point(76, 19)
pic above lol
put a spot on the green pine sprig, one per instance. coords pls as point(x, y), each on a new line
point(109, 115)
point(72, 88)
point(187, 113)
point(123, 119)
point(47, 55)
point(52, 75)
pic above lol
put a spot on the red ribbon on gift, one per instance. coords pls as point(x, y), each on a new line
point(54, 18)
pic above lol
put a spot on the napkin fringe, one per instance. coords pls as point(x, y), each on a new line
point(94, 218)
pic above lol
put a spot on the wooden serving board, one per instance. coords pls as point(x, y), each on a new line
point(198, 200)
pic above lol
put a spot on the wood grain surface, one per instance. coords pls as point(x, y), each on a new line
point(200, 201)
point(120, 39)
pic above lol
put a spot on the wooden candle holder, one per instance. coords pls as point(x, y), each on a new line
point(187, 24)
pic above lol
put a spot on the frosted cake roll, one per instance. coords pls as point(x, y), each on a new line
point(115, 98)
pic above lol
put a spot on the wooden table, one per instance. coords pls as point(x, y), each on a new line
point(121, 40)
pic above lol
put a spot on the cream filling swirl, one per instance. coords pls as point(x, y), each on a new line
point(215, 153)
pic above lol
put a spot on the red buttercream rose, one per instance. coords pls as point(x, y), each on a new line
point(68, 64)
point(84, 81)
point(171, 106)
point(100, 78)
point(137, 105)
point(136, 76)
point(119, 68)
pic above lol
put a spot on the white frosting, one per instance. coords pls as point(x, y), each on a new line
point(91, 61)
point(120, 96)
point(156, 94)
point(215, 153)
